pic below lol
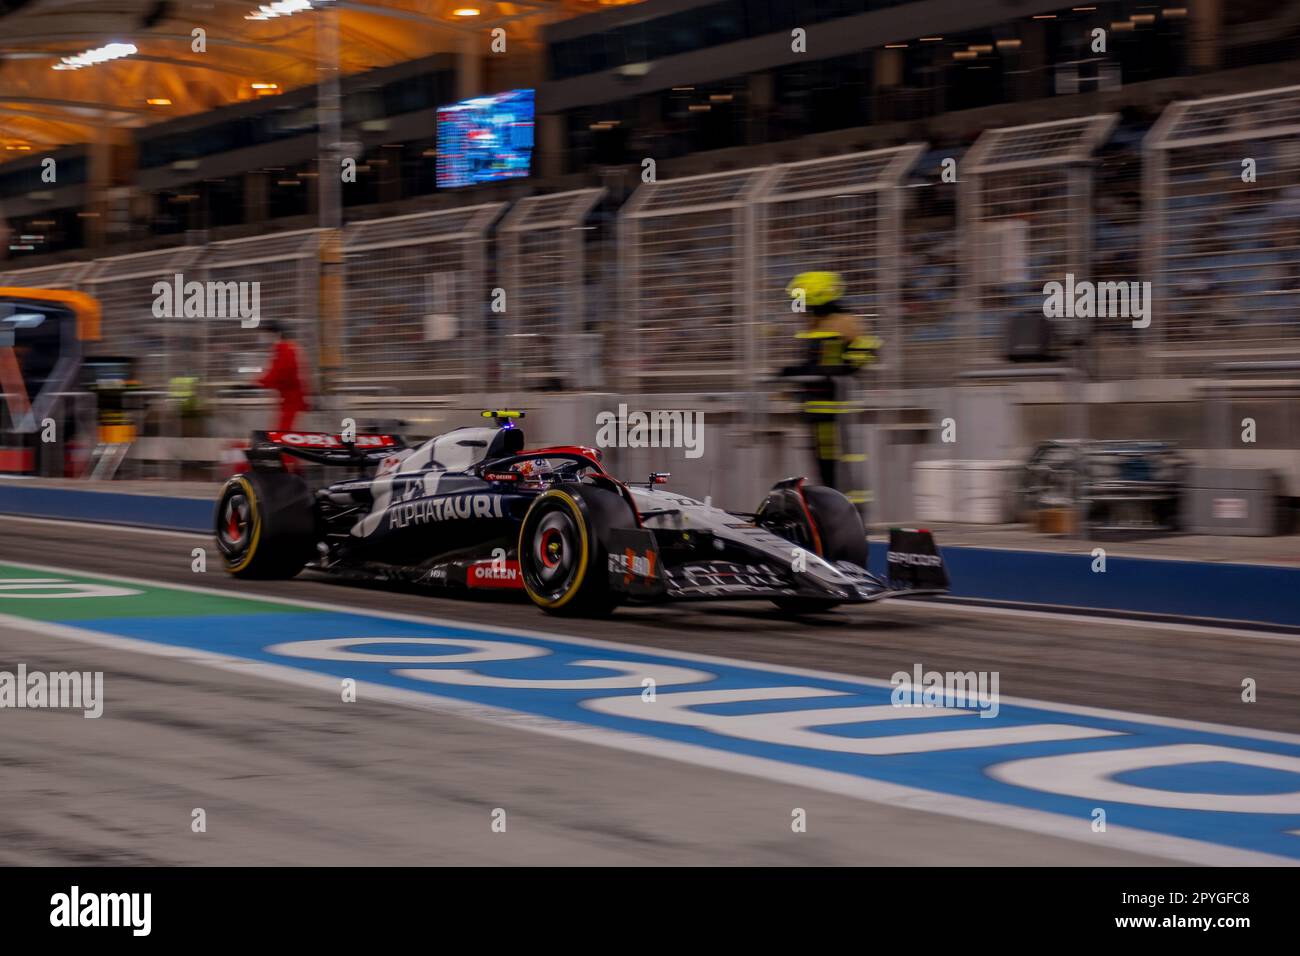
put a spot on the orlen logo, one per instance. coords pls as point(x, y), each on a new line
point(484, 574)
point(324, 440)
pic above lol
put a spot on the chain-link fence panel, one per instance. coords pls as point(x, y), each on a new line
point(688, 274)
point(1119, 351)
point(282, 270)
point(930, 271)
point(1026, 217)
point(67, 275)
point(144, 316)
point(842, 214)
point(1223, 236)
point(543, 271)
point(418, 312)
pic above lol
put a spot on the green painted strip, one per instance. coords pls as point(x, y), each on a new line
point(84, 597)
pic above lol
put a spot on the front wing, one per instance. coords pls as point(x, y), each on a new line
point(653, 566)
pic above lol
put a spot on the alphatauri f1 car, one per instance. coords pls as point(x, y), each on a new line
point(473, 508)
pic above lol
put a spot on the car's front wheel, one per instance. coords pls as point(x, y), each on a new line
point(562, 555)
point(821, 520)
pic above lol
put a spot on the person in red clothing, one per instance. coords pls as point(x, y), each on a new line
point(284, 377)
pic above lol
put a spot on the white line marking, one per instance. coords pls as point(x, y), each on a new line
point(793, 728)
point(1092, 776)
point(874, 791)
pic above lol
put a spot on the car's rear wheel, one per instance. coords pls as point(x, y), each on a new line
point(563, 559)
point(265, 525)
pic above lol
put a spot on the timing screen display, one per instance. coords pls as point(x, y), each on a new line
point(486, 138)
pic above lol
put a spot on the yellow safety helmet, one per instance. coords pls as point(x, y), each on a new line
point(819, 288)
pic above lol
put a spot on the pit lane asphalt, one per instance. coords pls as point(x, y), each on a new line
point(287, 779)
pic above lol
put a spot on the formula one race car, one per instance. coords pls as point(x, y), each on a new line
point(473, 509)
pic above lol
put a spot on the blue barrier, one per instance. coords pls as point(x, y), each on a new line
point(106, 507)
point(1240, 592)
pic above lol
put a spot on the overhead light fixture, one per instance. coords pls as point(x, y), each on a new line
point(159, 101)
point(931, 39)
point(964, 54)
point(466, 12)
point(895, 46)
point(1012, 44)
point(102, 54)
point(1172, 13)
point(1043, 16)
point(1143, 18)
point(280, 8)
point(980, 48)
point(1121, 25)
point(265, 86)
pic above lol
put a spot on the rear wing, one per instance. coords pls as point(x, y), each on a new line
point(322, 448)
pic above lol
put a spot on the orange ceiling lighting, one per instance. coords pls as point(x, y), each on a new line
point(279, 40)
point(101, 54)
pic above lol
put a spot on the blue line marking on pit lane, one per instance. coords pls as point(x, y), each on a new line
point(958, 772)
point(1211, 776)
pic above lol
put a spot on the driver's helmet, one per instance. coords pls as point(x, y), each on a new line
point(391, 463)
point(530, 469)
